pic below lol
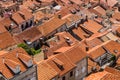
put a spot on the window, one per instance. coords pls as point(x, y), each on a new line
point(71, 73)
point(83, 69)
point(63, 78)
point(76, 73)
point(53, 79)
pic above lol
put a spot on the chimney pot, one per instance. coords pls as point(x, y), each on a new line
point(87, 48)
point(59, 16)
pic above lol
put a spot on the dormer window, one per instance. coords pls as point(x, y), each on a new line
point(59, 63)
point(26, 60)
point(15, 70)
point(29, 63)
point(13, 66)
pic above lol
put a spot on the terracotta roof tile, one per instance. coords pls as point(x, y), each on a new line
point(6, 40)
point(96, 76)
point(8, 22)
point(17, 18)
point(100, 10)
point(38, 16)
point(110, 3)
point(28, 15)
point(92, 26)
point(116, 16)
point(51, 26)
point(75, 54)
point(78, 31)
point(110, 77)
point(59, 41)
point(31, 34)
point(112, 71)
point(45, 71)
point(113, 47)
point(91, 65)
point(2, 28)
point(96, 52)
point(11, 59)
point(68, 65)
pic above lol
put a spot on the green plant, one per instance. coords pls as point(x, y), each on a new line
point(113, 57)
point(30, 51)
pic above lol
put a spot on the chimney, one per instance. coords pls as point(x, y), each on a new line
point(59, 16)
point(99, 1)
point(45, 53)
point(58, 37)
point(87, 48)
point(3, 60)
point(69, 42)
point(14, 1)
point(86, 17)
point(17, 54)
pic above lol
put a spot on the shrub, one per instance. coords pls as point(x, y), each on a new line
point(30, 51)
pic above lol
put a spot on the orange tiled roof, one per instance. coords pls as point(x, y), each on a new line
point(11, 60)
point(77, 1)
point(2, 28)
point(17, 18)
point(70, 18)
point(118, 61)
point(90, 42)
point(38, 15)
point(113, 47)
point(8, 22)
point(100, 10)
point(110, 3)
point(96, 52)
point(45, 71)
point(111, 77)
point(112, 71)
point(75, 54)
point(67, 64)
point(107, 74)
point(6, 40)
point(51, 26)
point(59, 42)
point(96, 76)
point(28, 15)
point(92, 26)
point(116, 16)
point(30, 34)
point(80, 33)
point(92, 64)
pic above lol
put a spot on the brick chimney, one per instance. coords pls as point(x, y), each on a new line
point(87, 48)
point(59, 16)
point(45, 53)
